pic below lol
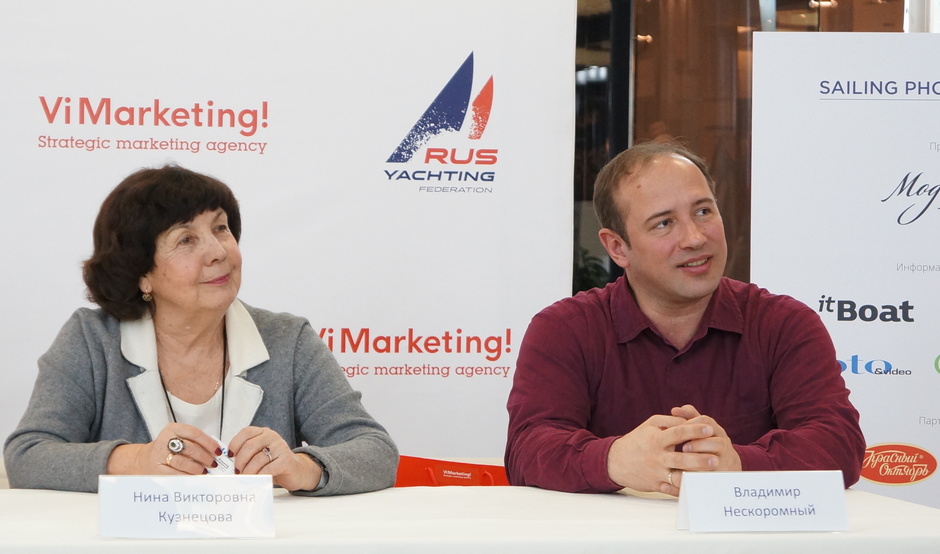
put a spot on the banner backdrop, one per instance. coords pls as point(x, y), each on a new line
point(403, 168)
point(846, 165)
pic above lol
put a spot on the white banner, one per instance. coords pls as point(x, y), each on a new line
point(403, 167)
point(846, 165)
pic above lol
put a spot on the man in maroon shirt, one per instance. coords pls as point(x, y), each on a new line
point(673, 367)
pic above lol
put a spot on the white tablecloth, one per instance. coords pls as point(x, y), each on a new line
point(487, 520)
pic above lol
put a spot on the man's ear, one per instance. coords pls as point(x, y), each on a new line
point(615, 246)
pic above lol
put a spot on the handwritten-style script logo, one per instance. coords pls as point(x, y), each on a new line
point(921, 196)
point(897, 464)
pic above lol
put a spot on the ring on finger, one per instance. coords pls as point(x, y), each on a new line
point(175, 445)
point(267, 452)
point(169, 458)
point(670, 479)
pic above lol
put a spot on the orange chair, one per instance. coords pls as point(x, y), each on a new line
point(427, 472)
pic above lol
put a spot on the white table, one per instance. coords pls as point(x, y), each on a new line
point(488, 520)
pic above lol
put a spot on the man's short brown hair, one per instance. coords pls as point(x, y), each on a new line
point(627, 165)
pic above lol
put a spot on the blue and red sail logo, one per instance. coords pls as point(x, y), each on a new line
point(448, 113)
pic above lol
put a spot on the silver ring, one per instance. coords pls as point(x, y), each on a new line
point(670, 479)
point(267, 452)
point(175, 445)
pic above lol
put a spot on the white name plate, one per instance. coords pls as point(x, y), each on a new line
point(762, 501)
point(186, 507)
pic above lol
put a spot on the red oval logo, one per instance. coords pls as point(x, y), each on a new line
point(897, 464)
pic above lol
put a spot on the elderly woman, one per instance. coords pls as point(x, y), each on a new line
point(173, 373)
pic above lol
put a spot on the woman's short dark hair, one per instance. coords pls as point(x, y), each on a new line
point(143, 205)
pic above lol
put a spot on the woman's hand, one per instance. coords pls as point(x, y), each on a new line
point(155, 458)
point(261, 451)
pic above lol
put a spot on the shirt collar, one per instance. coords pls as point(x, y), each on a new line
point(722, 313)
point(245, 346)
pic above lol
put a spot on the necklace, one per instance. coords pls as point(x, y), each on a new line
point(166, 394)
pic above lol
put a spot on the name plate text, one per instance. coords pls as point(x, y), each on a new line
point(762, 501)
point(185, 507)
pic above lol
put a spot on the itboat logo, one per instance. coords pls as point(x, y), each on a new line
point(451, 113)
point(849, 310)
point(897, 464)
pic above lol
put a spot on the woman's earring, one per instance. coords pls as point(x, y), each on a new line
point(147, 297)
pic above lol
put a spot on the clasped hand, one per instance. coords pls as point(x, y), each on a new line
point(652, 457)
point(256, 450)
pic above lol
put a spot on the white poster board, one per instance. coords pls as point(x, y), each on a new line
point(846, 170)
point(299, 106)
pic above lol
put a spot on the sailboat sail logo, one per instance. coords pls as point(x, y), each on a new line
point(448, 113)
